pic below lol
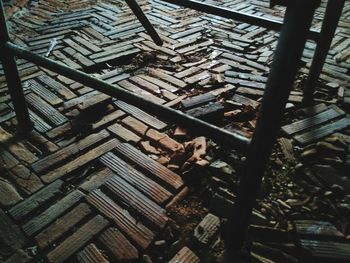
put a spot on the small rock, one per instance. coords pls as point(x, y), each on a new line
point(160, 244)
point(180, 132)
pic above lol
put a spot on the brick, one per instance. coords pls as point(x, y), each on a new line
point(165, 141)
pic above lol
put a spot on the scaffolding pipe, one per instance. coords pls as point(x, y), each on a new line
point(283, 71)
point(218, 134)
point(144, 21)
point(238, 16)
point(12, 77)
point(329, 26)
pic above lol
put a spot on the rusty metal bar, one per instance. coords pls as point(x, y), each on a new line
point(12, 77)
point(144, 21)
point(220, 135)
point(330, 22)
point(236, 15)
point(286, 60)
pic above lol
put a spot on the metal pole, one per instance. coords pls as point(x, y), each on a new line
point(144, 21)
point(287, 56)
point(199, 126)
point(330, 22)
point(236, 15)
point(12, 77)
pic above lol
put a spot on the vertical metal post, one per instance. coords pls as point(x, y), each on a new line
point(144, 21)
point(12, 77)
point(330, 22)
point(287, 56)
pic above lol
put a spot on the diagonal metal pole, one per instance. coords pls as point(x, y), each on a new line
point(284, 68)
point(238, 15)
point(12, 77)
point(144, 21)
point(330, 22)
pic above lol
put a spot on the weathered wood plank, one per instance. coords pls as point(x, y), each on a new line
point(80, 161)
point(245, 101)
point(136, 178)
point(196, 101)
point(16, 148)
point(97, 179)
point(124, 133)
point(138, 233)
point(135, 125)
point(39, 124)
point(91, 254)
point(77, 240)
point(212, 113)
point(69, 151)
point(36, 200)
point(8, 193)
point(25, 179)
point(162, 75)
point(144, 84)
point(325, 251)
point(62, 225)
point(148, 96)
point(43, 92)
point(50, 113)
point(159, 83)
point(316, 229)
point(322, 131)
point(7, 160)
point(119, 246)
point(309, 122)
point(138, 201)
point(159, 171)
point(141, 115)
point(49, 215)
point(79, 100)
point(57, 86)
point(11, 237)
